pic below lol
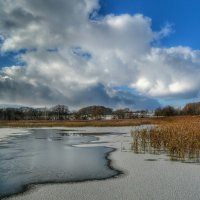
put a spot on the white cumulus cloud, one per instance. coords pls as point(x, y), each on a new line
point(76, 57)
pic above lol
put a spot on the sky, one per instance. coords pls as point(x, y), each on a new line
point(140, 54)
point(182, 15)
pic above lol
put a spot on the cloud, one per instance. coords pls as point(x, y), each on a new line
point(30, 94)
point(171, 73)
point(12, 91)
point(76, 57)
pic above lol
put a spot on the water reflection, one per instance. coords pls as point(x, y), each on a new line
point(48, 155)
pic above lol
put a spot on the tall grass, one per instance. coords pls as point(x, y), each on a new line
point(100, 123)
point(179, 139)
point(68, 123)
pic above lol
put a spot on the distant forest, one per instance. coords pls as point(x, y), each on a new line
point(188, 109)
point(62, 112)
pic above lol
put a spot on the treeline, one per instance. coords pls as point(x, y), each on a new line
point(61, 112)
point(188, 109)
point(58, 112)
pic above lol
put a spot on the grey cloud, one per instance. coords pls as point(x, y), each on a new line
point(18, 18)
point(18, 92)
point(12, 91)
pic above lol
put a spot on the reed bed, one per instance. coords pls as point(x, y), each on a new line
point(179, 139)
point(98, 123)
point(71, 123)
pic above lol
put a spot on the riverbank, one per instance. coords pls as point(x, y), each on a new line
point(96, 123)
point(145, 177)
point(69, 123)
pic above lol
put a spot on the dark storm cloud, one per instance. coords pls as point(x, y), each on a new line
point(14, 92)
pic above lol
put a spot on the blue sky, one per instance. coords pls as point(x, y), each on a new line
point(54, 50)
point(183, 15)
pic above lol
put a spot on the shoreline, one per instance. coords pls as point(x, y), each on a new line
point(30, 187)
point(96, 123)
point(73, 124)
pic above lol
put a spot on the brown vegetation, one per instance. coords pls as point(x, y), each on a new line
point(74, 123)
point(179, 137)
point(101, 123)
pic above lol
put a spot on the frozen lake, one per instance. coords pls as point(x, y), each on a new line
point(146, 176)
point(48, 156)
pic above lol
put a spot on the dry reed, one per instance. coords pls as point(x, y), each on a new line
point(71, 123)
point(180, 139)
